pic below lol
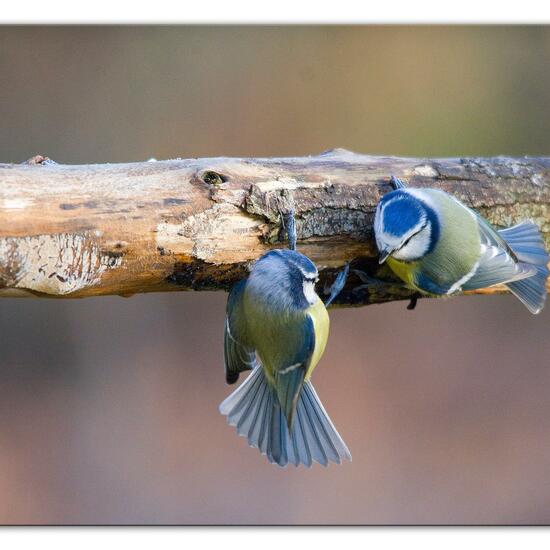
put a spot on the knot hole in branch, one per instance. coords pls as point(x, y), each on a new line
point(211, 177)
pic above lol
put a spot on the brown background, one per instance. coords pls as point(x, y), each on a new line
point(108, 406)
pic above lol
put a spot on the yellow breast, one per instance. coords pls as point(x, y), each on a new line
point(404, 270)
point(321, 324)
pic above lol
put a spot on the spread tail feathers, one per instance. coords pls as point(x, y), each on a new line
point(254, 409)
point(526, 241)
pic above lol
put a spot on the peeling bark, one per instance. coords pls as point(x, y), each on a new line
point(198, 224)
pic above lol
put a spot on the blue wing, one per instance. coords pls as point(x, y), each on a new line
point(423, 282)
point(290, 378)
point(498, 263)
point(238, 356)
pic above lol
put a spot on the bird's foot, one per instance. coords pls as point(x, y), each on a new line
point(368, 281)
point(372, 282)
point(397, 183)
point(288, 222)
point(413, 301)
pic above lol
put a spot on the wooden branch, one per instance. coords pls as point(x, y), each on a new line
point(197, 224)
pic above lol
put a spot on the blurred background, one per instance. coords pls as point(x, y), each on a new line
point(108, 406)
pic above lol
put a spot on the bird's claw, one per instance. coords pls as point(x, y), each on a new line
point(397, 183)
point(413, 301)
point(288, 222)
point(368, 281)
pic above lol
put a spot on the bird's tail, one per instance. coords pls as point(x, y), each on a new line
point(526, 241)
point(254, 409)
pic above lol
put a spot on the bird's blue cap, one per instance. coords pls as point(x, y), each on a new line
point(402, 212)
point(303, 263)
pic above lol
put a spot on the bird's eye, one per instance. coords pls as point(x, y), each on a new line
point(406, 241)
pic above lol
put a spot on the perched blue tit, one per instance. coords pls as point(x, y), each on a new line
point(439, 246)
point(277, 326)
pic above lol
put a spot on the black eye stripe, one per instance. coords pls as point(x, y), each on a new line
point(406, 242)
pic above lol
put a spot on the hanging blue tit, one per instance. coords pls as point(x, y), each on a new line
point(277, 326)
point(439, 246)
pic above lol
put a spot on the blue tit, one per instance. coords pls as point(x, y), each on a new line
point(277, 326)
point(439, 246)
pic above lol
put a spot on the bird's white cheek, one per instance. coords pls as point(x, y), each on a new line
point(404, 253)
point(309, 292)
point(415, 248)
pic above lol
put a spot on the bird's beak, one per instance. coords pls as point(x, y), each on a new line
point(383, 256)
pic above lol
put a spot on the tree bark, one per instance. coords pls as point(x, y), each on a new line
point(198, 224)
